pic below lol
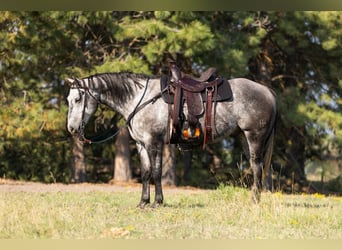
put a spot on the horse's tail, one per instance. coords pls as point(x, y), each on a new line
point(267, 171)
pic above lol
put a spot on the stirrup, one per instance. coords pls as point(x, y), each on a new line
point(189, 133)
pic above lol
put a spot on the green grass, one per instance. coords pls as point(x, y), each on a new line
point(225, 213)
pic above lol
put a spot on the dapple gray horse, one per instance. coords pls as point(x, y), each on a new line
point(252, 112)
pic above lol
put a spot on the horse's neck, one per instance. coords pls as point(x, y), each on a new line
point(126, 107)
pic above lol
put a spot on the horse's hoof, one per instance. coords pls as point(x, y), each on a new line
point(157, 204)
point(142, 204)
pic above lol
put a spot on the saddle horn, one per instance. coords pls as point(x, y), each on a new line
point(175, 71)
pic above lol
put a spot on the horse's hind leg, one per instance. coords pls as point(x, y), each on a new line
point(255, 144)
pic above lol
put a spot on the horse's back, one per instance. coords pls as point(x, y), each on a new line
point(249, 88)
point(253, 102)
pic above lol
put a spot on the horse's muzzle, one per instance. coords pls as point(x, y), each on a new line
point(78, 132)
point(75, 131)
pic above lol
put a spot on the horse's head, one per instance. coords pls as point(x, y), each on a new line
point(82, 104)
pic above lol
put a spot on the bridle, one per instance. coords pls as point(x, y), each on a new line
point(76, 85)
point(137, 108)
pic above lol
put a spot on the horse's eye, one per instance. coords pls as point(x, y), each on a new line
point(79, 98)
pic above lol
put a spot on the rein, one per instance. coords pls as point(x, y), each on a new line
point(137, 108)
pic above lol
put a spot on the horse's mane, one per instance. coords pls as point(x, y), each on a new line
point(116, 85)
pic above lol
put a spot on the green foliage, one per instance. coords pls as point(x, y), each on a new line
point(255, 40)
point(163, 32)
point(129, 63)
point(30, 146)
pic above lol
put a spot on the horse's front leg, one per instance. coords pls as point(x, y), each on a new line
point(156, 161)
point(145, 176)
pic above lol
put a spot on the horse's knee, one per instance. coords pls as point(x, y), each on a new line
point(146, 174)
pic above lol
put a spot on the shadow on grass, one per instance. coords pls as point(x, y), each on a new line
point(306, 205)
point(184, 205)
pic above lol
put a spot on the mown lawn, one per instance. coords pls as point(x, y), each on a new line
point(225, 213)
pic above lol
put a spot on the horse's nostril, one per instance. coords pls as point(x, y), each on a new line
point(72, 130)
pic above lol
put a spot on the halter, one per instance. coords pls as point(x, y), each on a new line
point(137, 108)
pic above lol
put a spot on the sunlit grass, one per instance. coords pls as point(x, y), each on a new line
point(225, 213)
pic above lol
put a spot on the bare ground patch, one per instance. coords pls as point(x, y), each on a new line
point(7, 185)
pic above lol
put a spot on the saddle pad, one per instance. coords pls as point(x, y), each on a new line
point(224, 92)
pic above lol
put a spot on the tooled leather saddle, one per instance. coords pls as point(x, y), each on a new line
point(193, 98)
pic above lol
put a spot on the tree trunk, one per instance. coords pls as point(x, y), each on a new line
point(122, 163)
point(169, 166)
point(78, 161)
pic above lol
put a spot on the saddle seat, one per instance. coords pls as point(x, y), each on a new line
point(195, 84)
point(191, 83)
point(205, 76)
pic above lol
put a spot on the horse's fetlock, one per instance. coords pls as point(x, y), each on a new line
point(143, 204)
point(157, 204)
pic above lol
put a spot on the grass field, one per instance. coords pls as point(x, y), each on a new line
point(225, 213)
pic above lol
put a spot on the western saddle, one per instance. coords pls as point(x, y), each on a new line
point(199, 96)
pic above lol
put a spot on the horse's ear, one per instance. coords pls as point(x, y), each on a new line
point(69, 81)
